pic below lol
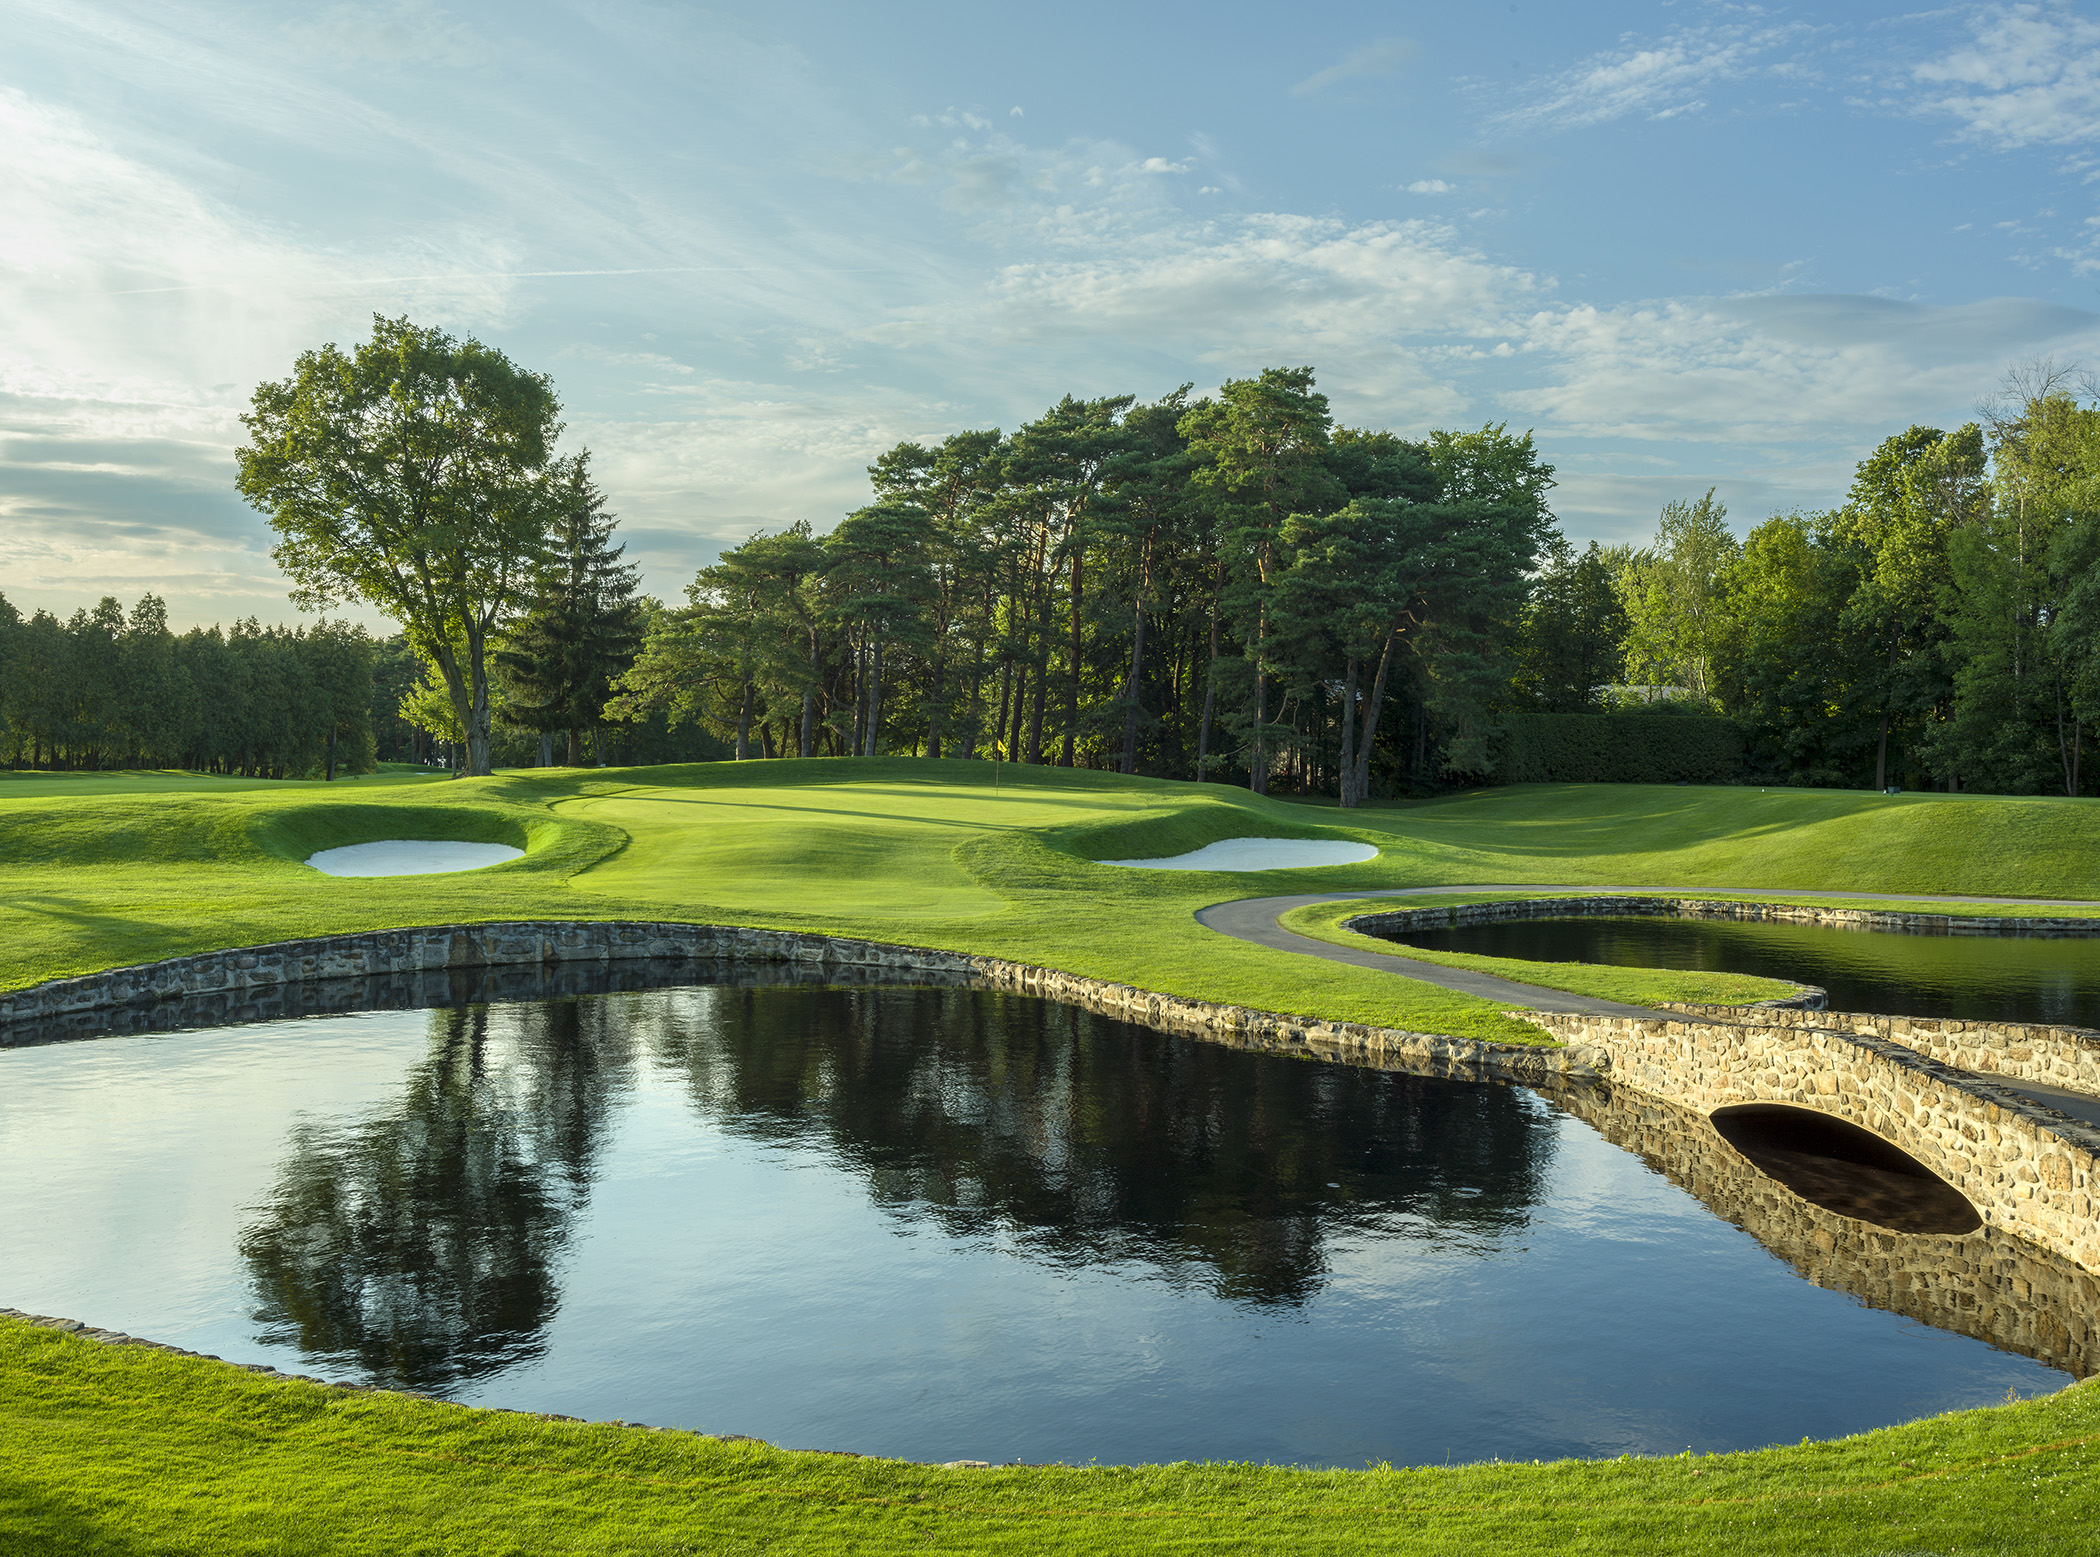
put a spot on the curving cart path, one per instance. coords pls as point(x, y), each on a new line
point(1253, 919)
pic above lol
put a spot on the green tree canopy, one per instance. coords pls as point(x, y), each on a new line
point(411, 474)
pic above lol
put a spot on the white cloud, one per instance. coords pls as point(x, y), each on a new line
point(1380, 58)
point(1657, 80)
point(1778, 372)
point(2030, 75)
point(1430, 186)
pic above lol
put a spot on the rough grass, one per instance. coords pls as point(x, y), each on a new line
point(121, 1451)
point(1636, 986)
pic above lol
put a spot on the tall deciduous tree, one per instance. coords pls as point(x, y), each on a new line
point(1673, 597)
point(410, 474)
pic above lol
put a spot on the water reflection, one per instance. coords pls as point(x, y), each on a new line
point(1985, 1284)
point(420, 1245)
point(1082, 1139)
point(2009, 977)
point(947, 1222)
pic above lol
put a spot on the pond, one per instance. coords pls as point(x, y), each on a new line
point(2006, 978)
point(950, 1223)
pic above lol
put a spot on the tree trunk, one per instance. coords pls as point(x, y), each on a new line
point(743, 726)
point(1078, 646)
point(1130, 688)
point(1006, 688)
point(809, 708)
point(1210, 675)
point(1881, 754)
point(330, 770)
point(1042, 677)
point(874, 715)
point(933, 712)
point(1372, 707)
point(575, 734)
point(1346, 785)
point(546, 748)
point(1257, 751)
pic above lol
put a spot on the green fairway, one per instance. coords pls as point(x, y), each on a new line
point(947, 854)
point(121, 1451)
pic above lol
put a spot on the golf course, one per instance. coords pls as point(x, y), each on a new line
point(118, 1450)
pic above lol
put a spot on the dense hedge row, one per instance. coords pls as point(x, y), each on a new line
point(1628, 748)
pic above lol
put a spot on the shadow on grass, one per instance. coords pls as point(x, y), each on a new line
point(33, 1520)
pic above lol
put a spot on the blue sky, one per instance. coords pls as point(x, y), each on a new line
point(755, 244)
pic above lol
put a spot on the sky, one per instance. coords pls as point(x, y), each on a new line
point(1688, 244)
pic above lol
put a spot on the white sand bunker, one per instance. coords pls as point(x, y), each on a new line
point(1261, 854)
point(410, 857)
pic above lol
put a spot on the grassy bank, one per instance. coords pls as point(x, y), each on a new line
point(108, 1450)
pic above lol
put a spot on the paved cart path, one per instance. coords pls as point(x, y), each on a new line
point(1254, 919)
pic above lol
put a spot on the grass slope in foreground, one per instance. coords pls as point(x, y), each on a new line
point(120, 1451)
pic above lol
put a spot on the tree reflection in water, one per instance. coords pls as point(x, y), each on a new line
point(419, 1246)
point(1082, 1140)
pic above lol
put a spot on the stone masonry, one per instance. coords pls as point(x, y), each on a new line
point(2026, 1168)
point(129, 994)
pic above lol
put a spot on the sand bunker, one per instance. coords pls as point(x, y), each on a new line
point(1261, 854)
point(410, 857)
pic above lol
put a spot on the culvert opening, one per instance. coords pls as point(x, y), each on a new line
point(1845, 1169)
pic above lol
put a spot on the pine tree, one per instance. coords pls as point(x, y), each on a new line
point(584, 626)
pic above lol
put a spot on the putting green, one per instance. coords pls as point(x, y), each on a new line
point(881, 850)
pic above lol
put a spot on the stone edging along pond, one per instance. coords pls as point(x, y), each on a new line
point(2056, 1056)
point(1440, 918)
point(377, 953)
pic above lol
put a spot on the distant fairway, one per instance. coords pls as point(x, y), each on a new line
point(107, 869)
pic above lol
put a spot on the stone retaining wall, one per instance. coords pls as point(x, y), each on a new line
point(2025, 1167)
point(131, 995)
point(1446, 917)
point(2067, 1057)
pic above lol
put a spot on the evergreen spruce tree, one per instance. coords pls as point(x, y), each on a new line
point(584, 626)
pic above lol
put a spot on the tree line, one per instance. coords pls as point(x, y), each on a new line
point(107, 689)
point(1220, 587)
point(1227, 587)
point(1940, 628)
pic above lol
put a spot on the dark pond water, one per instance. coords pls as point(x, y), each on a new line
point(2008, 978)
point(946, 1223)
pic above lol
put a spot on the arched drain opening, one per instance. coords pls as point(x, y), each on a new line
point(1845, 1169)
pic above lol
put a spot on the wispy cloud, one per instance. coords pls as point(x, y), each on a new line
point(1381, 58)
point(2029, 75)
point(1658, 79)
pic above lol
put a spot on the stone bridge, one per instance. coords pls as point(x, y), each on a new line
point(2027, 1168)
